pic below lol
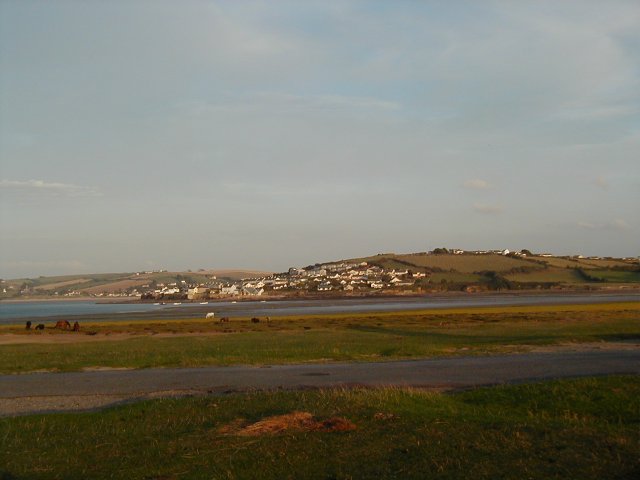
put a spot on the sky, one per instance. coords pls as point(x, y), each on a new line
point(138, 135)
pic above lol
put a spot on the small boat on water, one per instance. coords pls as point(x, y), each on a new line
point(157, 303)
point(177, 303)
point(234, 302)
point(204, 303)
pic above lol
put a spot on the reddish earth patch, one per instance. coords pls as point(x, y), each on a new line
point(294, 421)
point(384, 416)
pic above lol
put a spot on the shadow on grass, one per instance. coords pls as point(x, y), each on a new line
point(448, 338)
point(619, 337)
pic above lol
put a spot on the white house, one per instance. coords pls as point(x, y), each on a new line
point(229, 290)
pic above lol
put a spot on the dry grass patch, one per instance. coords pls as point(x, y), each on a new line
point(289, 422)
point(67, 283)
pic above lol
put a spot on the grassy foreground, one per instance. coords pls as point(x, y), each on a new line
point(570, 429)
point(355, 337)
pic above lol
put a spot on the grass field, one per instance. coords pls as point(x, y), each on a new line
point(455, 277)
point(355, 337)
point(464, 269)
point(556, 275)
point(459, 263)
point(571, 429)
point(619, 276)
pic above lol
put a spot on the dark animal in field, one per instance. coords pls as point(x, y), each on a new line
point(76, 327)
point(224, 320)
point(255, 320)
point(63, 324)
point(40, 326)
point(28, 325)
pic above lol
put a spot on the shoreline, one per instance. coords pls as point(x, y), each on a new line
point(600, 290)
point(69, 299)
point(352, 305)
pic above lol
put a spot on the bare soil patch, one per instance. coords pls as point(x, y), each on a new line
point(290, 422)
point(89, 337)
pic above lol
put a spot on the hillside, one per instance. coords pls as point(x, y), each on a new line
point(111, 283)
point(423, 272)
point(511, 271)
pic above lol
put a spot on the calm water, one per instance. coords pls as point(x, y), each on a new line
point(57, 308)
point(15, 312)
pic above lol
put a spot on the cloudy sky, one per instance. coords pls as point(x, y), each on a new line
point(204, 134)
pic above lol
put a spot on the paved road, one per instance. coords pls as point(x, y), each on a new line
point(441, 372)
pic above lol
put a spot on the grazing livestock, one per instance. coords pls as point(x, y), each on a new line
point(255, 320)
point(224, 320)
point(40, 326)
point(28, 325)
point(76, 327)
point(210, 315)
point(63, 325)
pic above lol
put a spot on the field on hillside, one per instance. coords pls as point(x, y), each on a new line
point(93, 284)
point(319, 338)
point(580, 429)
point(584, 263)
point(617, 276)
point(67, 283)
point(529, 271)
point(455, 277)
point(459, 263)
point(556, 275)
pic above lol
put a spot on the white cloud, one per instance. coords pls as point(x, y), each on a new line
point(50, 188)
point(587, 225)
point(487, 209)
point(615, 224)
point(618, 224)
point(602, 183)
point(477, 184)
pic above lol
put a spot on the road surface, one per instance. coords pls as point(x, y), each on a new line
point(39, 392)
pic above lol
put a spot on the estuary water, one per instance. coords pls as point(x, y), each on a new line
point(11, 313)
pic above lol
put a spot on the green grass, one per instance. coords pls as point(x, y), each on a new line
point(362, 337)
point(459, 263)
point(571, 429)
point(455, 277)
point(552, 274)
point(617, 276)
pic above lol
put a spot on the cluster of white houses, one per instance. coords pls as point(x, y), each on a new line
point(344, 277)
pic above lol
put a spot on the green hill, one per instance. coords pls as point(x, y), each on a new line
point(456, 271)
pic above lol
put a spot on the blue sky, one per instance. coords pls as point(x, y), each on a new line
point(196, 134)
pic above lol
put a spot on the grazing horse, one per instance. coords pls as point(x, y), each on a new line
point(76, 327)
point(255, 320)
point(224, 320)
point(63, 325)
point(40, 326)
point(28, 325)
point(210, 315)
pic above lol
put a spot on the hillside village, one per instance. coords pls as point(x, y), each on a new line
point(353, 278)
point(344, 277)
point(438, 270)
